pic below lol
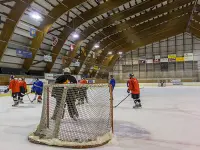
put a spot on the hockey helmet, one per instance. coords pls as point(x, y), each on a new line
point(66, 70)
point(131, 75)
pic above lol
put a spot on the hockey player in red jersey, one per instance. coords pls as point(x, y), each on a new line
point(133, 86)
point(23, 89)
point(14, 87)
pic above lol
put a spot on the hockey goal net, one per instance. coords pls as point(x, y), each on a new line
point(75, 116)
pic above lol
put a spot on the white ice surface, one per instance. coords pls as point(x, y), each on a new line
point(169, 120)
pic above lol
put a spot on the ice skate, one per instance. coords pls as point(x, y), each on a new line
point(137, 105)
point(21, 102)
point(39, 101)
point(15, 104)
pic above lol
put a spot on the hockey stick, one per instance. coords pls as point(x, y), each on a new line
point(122, 100)
point(27, 96)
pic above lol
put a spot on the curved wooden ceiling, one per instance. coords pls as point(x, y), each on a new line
point(117, 25)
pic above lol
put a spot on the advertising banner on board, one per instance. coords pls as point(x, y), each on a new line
point(54, 41)
point(164, 60)
point(96, 68)
point(142, 60)
point(149, 61)
point(135, 62)
point(172, 58)
point(176, 82)
point(156, 59)
point(188, 57)
point(179, 59)
point(47, 58)
point(23, 53)
point(32, 32)
point(2, 89)
point(76, 64)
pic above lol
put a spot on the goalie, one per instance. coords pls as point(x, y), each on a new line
point(71, 95)
point(133, 86)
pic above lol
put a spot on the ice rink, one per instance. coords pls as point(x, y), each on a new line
point(169, 120)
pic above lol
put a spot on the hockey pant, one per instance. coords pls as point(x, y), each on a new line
point(15, 97)
point(136, 98)
point(70, 102)
point(21, 93)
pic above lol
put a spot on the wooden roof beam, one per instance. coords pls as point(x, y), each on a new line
point(11, 23)
point(131, 22)
point(47, 23)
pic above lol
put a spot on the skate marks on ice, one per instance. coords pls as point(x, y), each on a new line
point(124, 129)
point(129, 135)
point(18, 130)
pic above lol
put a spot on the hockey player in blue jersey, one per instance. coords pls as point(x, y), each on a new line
point(37, 88)
point(112, 82)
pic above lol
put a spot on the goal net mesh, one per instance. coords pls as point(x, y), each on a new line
point(75, 116)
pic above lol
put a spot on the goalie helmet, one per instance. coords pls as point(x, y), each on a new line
point(66, 70)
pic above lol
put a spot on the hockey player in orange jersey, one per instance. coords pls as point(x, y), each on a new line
point(14, 87)
point(134, 88)
point(23, 89)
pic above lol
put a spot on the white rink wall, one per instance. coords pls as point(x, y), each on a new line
point(156, 84)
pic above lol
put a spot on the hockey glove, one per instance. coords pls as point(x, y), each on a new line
point(6, 91)
point(128, 91)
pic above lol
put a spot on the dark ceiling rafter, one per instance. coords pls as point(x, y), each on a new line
point(86, 16)
point(11, 23)
point(133, 32)
point(109, 21)
point(177, 12)
point(195, 26)
point(7, 1)
point(146, 41)
point(101, 58)
point(47, 23)
point(153, 32)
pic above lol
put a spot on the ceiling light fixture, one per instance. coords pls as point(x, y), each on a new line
point(36, 16)
point(120, 53)
point(75, 35)
point(96, 46)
